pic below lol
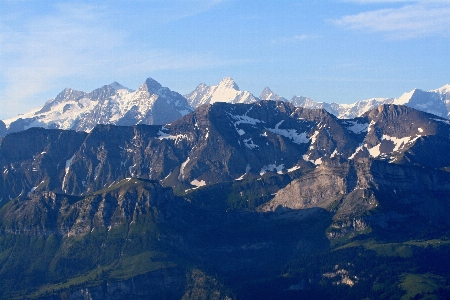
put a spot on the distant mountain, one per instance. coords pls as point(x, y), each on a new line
point(268, 94)
point(436, 102)
point(349, 111)
point(343, 111)
point(153, 104)
point(226, 91)
point(110, 104)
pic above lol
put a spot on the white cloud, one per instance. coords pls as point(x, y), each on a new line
point(424, 18)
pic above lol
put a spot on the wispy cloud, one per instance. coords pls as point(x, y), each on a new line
point(420, 19)
point(295, 39)
point(173, 10)
point(78, 41)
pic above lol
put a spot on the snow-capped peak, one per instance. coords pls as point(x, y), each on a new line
point(442, 90)
point(226, 91)
point(117, 86)
point(110, 104)
point(405, 98)
point(268, 94)
point(150, 85)
point(228, 82)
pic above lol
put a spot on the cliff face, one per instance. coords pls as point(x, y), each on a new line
point(372, 192)
point(46, 213)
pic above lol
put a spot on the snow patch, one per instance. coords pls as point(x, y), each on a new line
point(400, 143)
point(66, 171)
point(249, 144)
point(244, 119)
point(272, 168)
point(198, 183)
point(34, 188)
point(292, 134)
point(356, 127)
point(370, 128)
point(314, 137)
point(183, 165)
point(360, 148)
point(247, 169)
point(335, 152)
point(316, 161)
point(294, 168)
point(374, 151)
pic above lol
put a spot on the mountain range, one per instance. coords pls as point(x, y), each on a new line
point(231, 200)
point(153, 104)
point(111, 104)
point(122, 194)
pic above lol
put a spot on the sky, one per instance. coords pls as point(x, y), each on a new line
point(332, 50)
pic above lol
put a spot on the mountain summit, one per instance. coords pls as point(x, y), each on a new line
point(228, 82)
point(268, 94)
point(436, 101)
point(226, 91)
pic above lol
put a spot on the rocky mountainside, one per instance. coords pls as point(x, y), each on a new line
point(263, 200)
point(110, 104)
point(217, 143)
point(226, 91)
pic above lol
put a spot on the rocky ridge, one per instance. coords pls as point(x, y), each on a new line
point(217, 143)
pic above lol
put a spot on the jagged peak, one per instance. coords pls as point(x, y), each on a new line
point(265, 93)
point(266, 90)
point(268, 94)
point(405, 98)
point(69, 93)
point(150, 85)
point(228, 82)
point(442, 90)
point(117, 86)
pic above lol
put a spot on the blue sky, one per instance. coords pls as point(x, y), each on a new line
point(333, 51)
